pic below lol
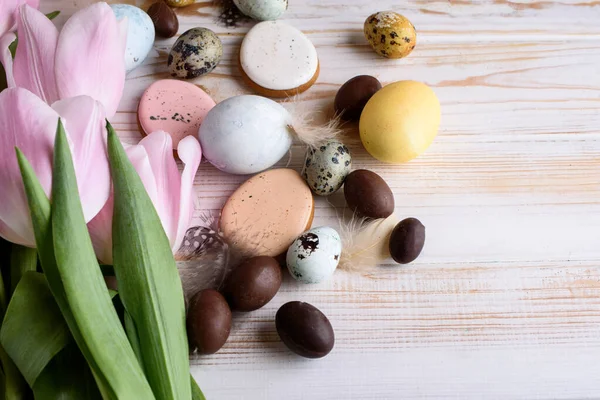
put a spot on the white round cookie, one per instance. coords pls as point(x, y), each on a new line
point(278, 57)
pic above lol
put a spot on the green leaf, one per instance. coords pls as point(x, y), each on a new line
point(53, 15)
point(75, 279)
point(67, 377)
point(149, 284)
point(33, 331)
point(22, 260)
point(15, 387)
point(196, 392)
point(13, 47)
point(134, 339)
point(3, 83)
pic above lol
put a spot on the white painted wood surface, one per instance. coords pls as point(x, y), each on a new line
point(505, 301)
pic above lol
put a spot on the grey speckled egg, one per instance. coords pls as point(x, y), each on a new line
point(315, 255)
point(196, 53)
point(326, 168)
point(262, 10)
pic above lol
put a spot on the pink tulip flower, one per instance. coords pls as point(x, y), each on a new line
point(170, 191)
point(86, 58)
point(29, 123)
point(8, 11)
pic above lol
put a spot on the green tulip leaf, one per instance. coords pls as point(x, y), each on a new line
point(53, 14)
point(149, 284)
point(74, 277)
point(67, 377)
point(33, 331)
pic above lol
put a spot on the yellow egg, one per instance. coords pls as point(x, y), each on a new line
point(180, 3)
point(390, 34)
point(400, 121)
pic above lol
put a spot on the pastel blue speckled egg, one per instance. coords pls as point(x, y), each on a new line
point(262, 10)
point(245, 134)
point(315, 255)
point(140, 34)
point(326, 167)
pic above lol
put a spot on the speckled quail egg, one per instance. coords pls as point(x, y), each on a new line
point(196, 53)
point(390, 34)
point(315, 255)
point(326, 167)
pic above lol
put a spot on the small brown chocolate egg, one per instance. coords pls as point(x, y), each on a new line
point(407, 240)
point(354, 95)
point(164, 19)
point(304, 329)
point(368, 195)
point(208, 321)
point(390, 34)
point(253, 284)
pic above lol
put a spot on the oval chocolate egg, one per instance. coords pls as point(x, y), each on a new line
point(354, 95)
point(164, 18)
point(407, 240)
point(304, 329)
point(326, 168)
point(368, 195)
point(253, 283)
point(208, 321)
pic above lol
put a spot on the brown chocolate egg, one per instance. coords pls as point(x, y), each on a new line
point(164, 19)
point(208, 321)
point(368, 195)
point(304, 329)
point(354, 95)
point(407, 241)
point(253, 284)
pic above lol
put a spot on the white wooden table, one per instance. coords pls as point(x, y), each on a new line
point(505, 301)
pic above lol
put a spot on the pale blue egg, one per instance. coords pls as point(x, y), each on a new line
point(245, 134)
point(262, 10)
point(315, 255)
point(140, 34)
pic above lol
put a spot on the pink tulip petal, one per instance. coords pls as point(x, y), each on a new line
point(90, 57)
point(141, 162)
point(33, 3)
point(7, 15)
point(85, 121)
point(34, 60)
point(13, 237)
point(190, 154)
point(100, 228)
point(6, 58)
point(159, 147)
point(29, 124)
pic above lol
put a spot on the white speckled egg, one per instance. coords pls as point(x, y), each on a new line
point(140, 34)
point(326, 168)
point(315, 255)
point(262, 10)
point(245, 134)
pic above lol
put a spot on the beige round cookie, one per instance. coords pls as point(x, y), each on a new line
point(278, 60)
point(267, 213)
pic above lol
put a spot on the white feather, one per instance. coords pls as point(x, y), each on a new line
point(365, 242)
point(302, 124)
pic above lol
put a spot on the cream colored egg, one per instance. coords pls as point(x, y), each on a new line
point(400, 121)
point(390, 34)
